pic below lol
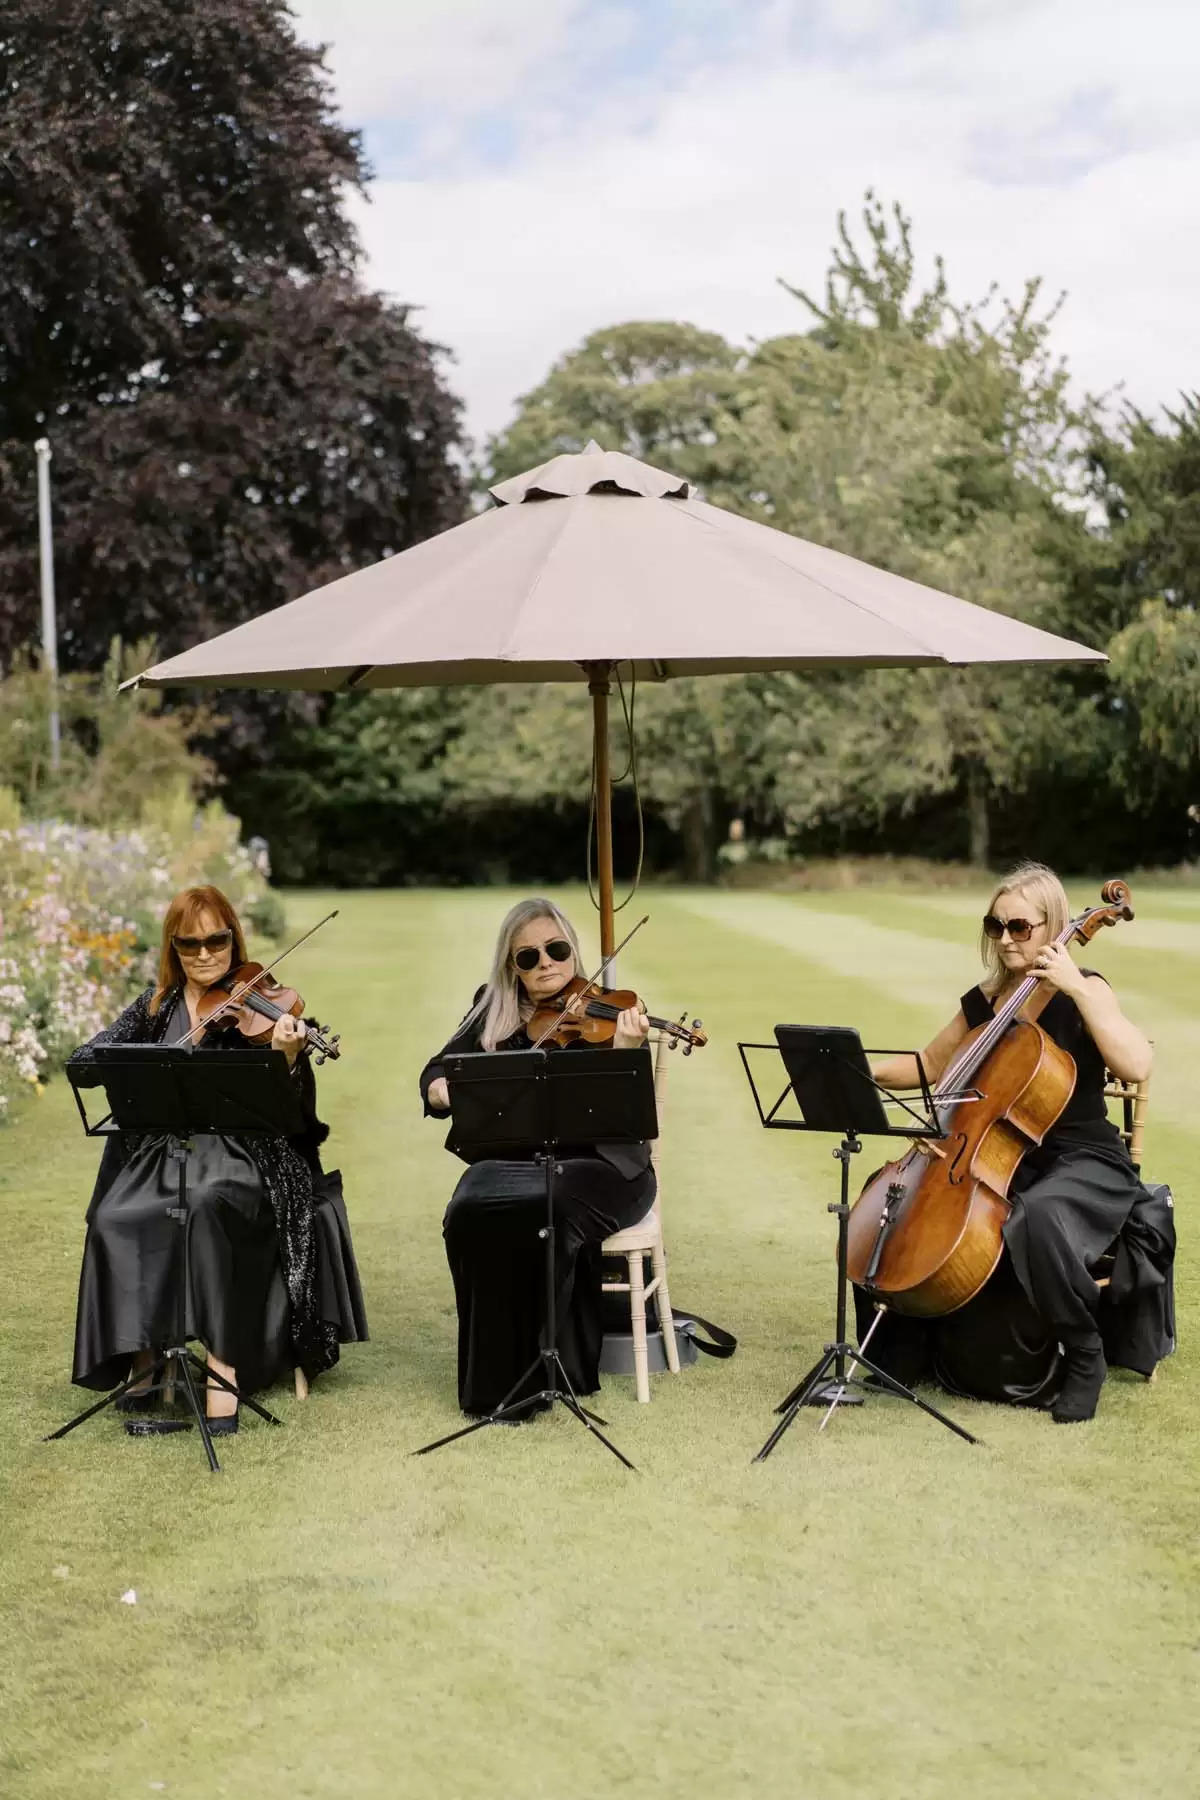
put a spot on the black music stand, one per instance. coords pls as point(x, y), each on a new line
point(182, 1094)
point(512, 1101)
point(831, 1081)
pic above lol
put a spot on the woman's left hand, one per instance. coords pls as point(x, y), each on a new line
point(289, 1034)
point(1055, 968)
point(633, 1028)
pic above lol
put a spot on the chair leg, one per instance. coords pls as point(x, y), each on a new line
point(169, 1382)
point(301, 1385)
point(637, 1310)
point(662, 1301)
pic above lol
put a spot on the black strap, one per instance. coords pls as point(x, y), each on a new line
point(723, 1342)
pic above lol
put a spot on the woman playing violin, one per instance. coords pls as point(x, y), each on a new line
point(1073, 1192)
point(492, 1222)
point(252, 1241)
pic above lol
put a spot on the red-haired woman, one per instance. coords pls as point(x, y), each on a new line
point(253, 1243)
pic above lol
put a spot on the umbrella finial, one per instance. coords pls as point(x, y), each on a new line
point(590, 471)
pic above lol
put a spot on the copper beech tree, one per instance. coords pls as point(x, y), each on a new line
point(234, 417)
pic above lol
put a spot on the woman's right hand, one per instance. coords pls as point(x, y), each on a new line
point(439, 1094)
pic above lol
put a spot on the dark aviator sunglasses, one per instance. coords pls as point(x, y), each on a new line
point(192, 946)
point(1018, 930)
point(558, 950)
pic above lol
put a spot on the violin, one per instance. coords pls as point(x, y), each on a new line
point(926, 1231)
point(595, 1021)
point(249, 1000)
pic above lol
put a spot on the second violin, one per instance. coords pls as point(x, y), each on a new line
point(594, 1021)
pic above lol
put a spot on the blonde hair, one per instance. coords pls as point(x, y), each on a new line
point(503, 1005)
point(1046, 892)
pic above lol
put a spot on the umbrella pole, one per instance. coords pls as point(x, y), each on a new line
point(599, 687)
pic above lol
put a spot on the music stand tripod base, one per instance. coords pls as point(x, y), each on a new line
point(530, 1094)
point(175, 1092)
point(548, 1359)
point(830, 1077)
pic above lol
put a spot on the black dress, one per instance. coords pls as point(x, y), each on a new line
point(491, 1233)
point(263, 1297)
point(1072, 1198)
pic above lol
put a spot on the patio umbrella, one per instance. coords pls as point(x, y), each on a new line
point(590, 563)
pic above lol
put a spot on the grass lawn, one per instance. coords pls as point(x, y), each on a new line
point(879, 1610)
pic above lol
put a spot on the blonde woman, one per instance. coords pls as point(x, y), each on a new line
point(1074, 1192)
point(494, 1216)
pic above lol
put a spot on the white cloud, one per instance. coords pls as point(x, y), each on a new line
point(452, 55)
point(1053, 137)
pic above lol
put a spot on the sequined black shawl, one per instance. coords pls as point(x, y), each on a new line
point(287, 1167)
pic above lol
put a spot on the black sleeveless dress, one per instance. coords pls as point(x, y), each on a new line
point(495, 1254)
point(1072, 1196)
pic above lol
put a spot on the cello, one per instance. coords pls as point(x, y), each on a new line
point(926, 1231)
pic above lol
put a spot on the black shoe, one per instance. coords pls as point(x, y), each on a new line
point(224, 1425)
point(1080, 1391)
point(135, 1402)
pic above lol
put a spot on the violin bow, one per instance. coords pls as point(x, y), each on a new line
point(590, 984)
point(243, 987)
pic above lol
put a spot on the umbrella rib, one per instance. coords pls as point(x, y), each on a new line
point(846, 599)
point(532, 588)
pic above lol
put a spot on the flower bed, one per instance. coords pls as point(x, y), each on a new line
point(80, 914)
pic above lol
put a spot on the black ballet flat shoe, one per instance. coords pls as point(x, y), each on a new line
point(138, 1402)
point(224, 1425)
point(156, 1427)
point(1080, 1391)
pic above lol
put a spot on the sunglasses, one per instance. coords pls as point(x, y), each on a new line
point(1018, 929)
point(558, 950)
point(192, 946)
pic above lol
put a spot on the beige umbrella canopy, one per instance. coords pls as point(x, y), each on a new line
point(592, 561)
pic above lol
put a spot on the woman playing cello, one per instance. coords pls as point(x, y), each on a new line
point(492, 1221)
point(1073, 1192)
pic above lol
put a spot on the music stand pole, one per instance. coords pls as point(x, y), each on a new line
point(548, 1358)
point(817, 1388)
point(546, 1100)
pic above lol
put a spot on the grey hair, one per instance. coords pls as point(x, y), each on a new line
point(503, 1007)
point(1045, 890)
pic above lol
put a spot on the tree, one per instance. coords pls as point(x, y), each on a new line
point(655, 389)
point(1146, 565)
point(928, 438)
point(233, 417)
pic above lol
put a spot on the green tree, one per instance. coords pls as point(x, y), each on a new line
point(657, 390)
point(121, 754)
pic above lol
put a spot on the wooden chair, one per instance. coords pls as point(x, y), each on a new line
point(646, 1239)
point(1133, 1098)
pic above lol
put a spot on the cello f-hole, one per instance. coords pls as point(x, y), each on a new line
point(954, 1175)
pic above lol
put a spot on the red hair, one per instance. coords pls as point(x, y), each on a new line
point(180, 920)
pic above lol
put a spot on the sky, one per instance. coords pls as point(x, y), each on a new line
point(543, 168)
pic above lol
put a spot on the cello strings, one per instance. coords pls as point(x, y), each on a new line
point(968, 1061)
